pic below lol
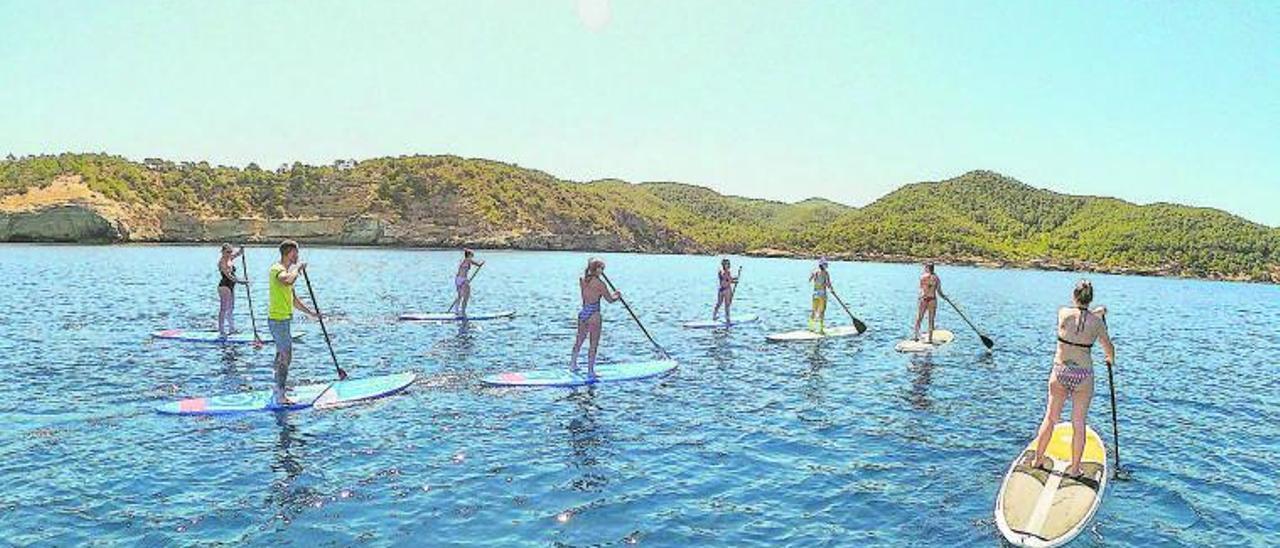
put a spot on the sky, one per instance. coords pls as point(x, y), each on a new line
point(1146, 100)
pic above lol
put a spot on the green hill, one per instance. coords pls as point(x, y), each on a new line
point(979, 217)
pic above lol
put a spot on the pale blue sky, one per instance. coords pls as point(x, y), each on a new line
point(1148, 101)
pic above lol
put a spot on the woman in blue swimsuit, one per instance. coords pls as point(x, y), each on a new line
point(593, 289)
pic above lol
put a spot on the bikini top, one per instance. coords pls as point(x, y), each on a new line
point(1084, 313)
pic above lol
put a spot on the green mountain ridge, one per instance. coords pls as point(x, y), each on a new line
point(980, 217)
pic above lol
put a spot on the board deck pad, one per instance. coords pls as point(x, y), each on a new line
point(1045, 507)
point(806, 335)
point(940, 337)
point(712, 324)
point(211, 336)
point(612, 372)
point(329, 394)
point(450, 317)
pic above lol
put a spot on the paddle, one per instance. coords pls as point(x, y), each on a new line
point(244, 263)
point(1115, 423)
point(857, 324)
point(633, 316)
point(342, 375)
point(459, 297)
point(986, 341)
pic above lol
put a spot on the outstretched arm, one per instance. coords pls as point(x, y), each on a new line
point(1105, 338)
point(298, 304)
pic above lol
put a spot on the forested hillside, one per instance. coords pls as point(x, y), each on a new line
point(978, 218)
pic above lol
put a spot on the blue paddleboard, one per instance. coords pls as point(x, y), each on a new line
point(612, 372)
point(450, 317)
point(711, 324)
point(210, 336)
point(312, 395)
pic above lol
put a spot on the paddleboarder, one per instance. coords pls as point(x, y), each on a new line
point(462, 280)
point(282, 302)
point(725, 296)
point(592, 288)
point(927, 303)
point(227, 289)
point(1072, 377)
point(821, 285)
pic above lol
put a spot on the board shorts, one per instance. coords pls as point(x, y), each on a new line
point(282, 334)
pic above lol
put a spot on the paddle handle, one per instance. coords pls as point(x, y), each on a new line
point(319, 316)
point(1115, 424)
point(458, 299)
point(634, 317)
point(248, 293)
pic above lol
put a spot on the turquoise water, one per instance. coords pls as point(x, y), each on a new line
point(840, 443)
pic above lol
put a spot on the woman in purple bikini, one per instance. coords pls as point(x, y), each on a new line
point(593, 289)
point(1072, 376)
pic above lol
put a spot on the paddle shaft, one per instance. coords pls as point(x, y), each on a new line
point(248, 293)
point(458, 299)
point(634, 317)
point(857, 324)
point(985, 339)
point(1115, 424)
point(319, 316)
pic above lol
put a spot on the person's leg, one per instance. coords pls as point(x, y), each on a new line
point(577, 344)
point(466, 296)
point(280, 332)
point(231, 311)
point(715, 313)
point(1057, 399)
point(933, 315)
point(223, 298)
point(728, 303)
point(822, 315)
point(594, 329)
point(1079, 412)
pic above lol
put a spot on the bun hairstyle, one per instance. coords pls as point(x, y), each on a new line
point(1083, 292)
point(594, 265)
point(226, 248)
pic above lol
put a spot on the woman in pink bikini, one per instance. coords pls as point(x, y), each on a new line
point(1072, 376)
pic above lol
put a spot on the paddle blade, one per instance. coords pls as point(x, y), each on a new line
point(861, 327)
point(342, 374)
point(986, 341)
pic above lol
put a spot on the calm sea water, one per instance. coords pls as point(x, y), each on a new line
point(840, 443)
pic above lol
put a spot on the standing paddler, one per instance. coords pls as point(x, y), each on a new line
point(226, 289)
point(728, 285)
point(592, 288)
point(462, 280)
point(821, 285)
point(283, 300)
point(927, 303)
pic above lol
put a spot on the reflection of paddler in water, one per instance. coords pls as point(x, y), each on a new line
point(927, 304)
point(821, 287)
point(586, 440)
point(462, 281)
point(287, 463)
point(593, 289)
point(728, 285)
point(1072, 376)
point(282, 301)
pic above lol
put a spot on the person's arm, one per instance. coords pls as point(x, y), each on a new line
point(938, 286)
point(290, 275)
point(225, 269)
point(1105, 338)
point(477, 262)
point(609, 296)
point(238, 253)
point(298, 304)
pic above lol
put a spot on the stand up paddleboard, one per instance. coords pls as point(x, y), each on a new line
point(213, 337)
point(806, 335)
point(613, 372)
point(940, 337)
point(1042, 506)
point(448, 317)
point(312, 395)
point(711, 324)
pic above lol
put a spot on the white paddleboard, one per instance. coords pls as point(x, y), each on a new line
point(1042, 506)
point(450, 317)
point(210, 336)
point(940, 337)
point(806, 335)
point(329, 394)
point(613, 372)
point(711, 324)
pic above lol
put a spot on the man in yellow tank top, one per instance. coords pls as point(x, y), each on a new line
point(283, 300)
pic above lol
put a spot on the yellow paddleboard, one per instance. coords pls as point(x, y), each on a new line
point(1044, 507)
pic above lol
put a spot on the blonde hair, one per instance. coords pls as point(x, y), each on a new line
point(594, 265)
